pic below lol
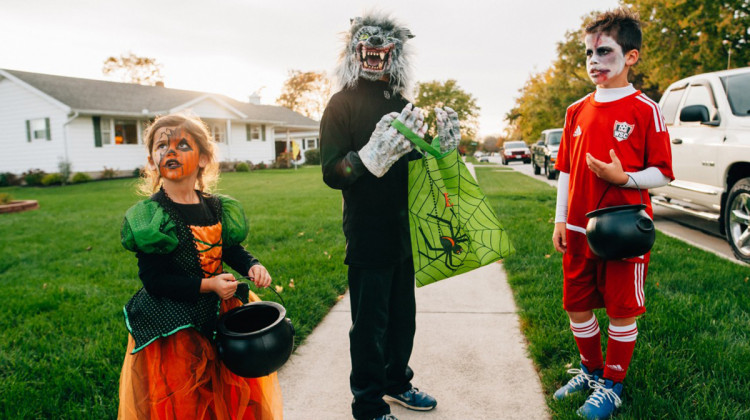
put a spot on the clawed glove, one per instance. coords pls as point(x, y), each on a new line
point(448, 130)
point(387, 145)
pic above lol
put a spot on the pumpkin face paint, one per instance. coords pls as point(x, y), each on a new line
point(605, 60)
point(176, 152)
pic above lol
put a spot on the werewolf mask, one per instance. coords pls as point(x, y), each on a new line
point(375, 48)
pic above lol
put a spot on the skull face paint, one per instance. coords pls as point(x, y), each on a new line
point(605, 59)
point(177, 153)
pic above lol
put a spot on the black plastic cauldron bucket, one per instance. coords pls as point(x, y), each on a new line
point(255, 339)
point(620, 232)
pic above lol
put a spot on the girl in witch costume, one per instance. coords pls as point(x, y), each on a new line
point(181, 236)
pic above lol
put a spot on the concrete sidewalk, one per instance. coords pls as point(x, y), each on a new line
point(468, 353)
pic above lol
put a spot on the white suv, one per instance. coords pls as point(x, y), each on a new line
point(708, 117)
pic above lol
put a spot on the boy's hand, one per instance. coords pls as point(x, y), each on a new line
point(610, 172)
point(224, 285)
point(559, 239)
point(259, 275)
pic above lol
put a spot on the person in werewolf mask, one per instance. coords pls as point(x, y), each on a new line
point(368, 160)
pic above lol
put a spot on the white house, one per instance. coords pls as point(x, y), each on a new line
point(93, 124)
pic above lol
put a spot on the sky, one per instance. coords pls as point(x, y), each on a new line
point(237, 47)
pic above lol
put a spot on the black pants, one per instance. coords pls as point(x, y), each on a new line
point(381, 336)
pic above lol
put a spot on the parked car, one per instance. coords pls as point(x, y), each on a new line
point(544, 152)
point(515, 150)
point(708, 118)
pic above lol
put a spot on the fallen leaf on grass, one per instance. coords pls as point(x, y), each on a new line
point(339, 297)
point(547, 256)
point(88, 248)
point(279, 289)
point(291, 283)
point(310, 240)
point(301, 234)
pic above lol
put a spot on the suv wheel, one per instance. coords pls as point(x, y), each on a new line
point(737, 219)
point(551, 172)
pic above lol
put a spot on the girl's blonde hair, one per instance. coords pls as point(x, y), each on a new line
point(207, 177)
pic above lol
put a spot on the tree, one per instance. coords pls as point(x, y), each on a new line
point(430, 95)
point(490, 144)
point(131, 68)
point(306, 93)
point(680, 38)
point(547, 94)
point(686, 37)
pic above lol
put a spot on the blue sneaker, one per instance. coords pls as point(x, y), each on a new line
point(413, 399)
point(578, 383)
point(603, 402)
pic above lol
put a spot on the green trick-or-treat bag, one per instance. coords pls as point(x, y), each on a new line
point(453, 227)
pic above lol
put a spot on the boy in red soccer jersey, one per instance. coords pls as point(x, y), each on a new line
point(613, 137)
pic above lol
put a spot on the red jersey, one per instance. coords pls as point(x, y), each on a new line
point(633, 126)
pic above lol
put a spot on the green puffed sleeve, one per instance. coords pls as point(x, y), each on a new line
point(234, 226)
point(147, 228)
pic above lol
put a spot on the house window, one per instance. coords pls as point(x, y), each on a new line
point(311, 144)
point(126, 132)
point(219, 132)
point(256, 132)
point(38, 129)
point(106, 130)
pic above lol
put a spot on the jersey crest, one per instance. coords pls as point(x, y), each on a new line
point(622, 130)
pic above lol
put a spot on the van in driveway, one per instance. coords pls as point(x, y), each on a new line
point(708, 118)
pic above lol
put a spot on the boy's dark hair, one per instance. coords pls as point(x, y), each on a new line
point(622, 25)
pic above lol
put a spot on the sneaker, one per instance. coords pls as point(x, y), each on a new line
point(413, 399)
point(386, 417)
point(578, 383)
point(603, 402)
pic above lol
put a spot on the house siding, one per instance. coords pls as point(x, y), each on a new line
point(18, 104)
point(85, 157)
point(75, 141)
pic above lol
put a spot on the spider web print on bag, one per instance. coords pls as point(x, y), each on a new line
point(453, 227)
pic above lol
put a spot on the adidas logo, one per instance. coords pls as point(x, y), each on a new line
point(577, 132)
point(616, 367)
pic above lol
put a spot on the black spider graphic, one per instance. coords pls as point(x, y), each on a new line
point(449, 245)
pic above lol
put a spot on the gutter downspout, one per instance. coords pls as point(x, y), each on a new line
point(65, 134)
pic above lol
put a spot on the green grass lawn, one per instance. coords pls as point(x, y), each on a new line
point(65, 277)
point(692, 358)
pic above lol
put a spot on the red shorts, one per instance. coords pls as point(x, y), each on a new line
point(595, 283)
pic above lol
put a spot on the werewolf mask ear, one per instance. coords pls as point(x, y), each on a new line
point(407, 33)
point(355, 21)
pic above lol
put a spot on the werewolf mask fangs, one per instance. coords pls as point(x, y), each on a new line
point(374, 58)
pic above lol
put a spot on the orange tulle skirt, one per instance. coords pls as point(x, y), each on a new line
point(181, 377)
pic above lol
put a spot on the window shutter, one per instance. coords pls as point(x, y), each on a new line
point(28, 131)
point(97, 131)
point(263, 132)
point(249, 130)
point(46, 129)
